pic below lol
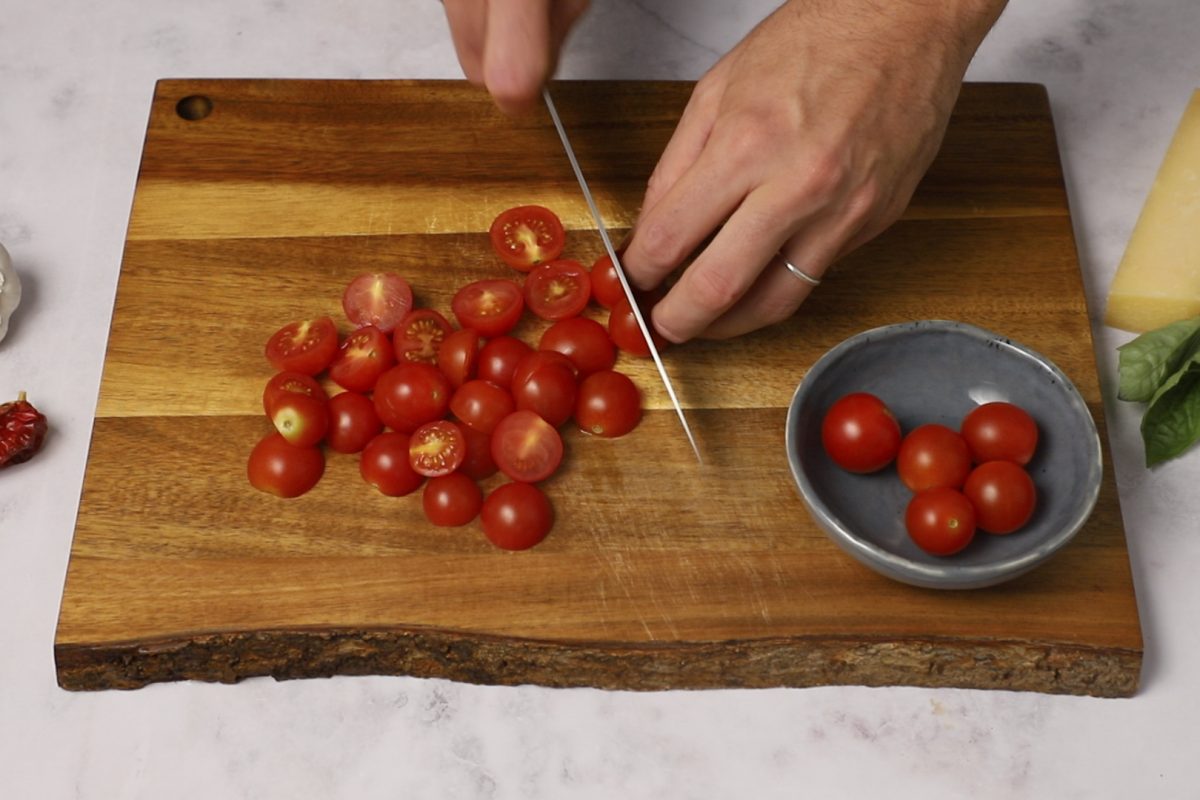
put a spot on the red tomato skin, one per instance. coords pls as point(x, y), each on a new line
point(1000, 432)
point(860, 433)
point(931, 456)
point(284, 383)
point(558, 289)
point(940, 521)
point(451, 501)
point(606, 286)
point(608, 404)
point(306, 346)
point(516, 516)
point(436, 448)
point(300, 419)
point(549, 392)
point(582, 340)
point(381, 299)
point(526, 448)
point(478, 462)
point(491, 307)
point(1003, 495)
point(282, 469)
point(526, 236)
point(481, 405)
point(623, 329)
point(537, 359)
point(410, 394)
point(458, 356)
point(363, 357)
point(353, 422)
point(385, 465)
point(419, 336)
point(499, 357)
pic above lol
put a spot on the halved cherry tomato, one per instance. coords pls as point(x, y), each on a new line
point(526, 236)
point(526, 447)
point(582, 340)
point(492, 307)
point(436, 448)
point(458, 356)
point(306, 346)
point(284, 383)
point(451, 500)
point(932, 455)
point(363, 357)
point(300, 418)
point(409, 395)
point(1000, 432)
point(609, 404)
point(498, 359)
point(384, 464)
point(516, 516)
point(941, 521)
point(283, 469)
point(478, 463)
point(536, 359)
point(549, 391)
point(606, 286)
point(419, 335)
point(353, 422)
point(381, 299)
point(481, 405)
point(860, 433)
point(1003, 495)
point(558, 289)
point(623, 329)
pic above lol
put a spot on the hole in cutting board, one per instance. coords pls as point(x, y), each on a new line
point(194, 107)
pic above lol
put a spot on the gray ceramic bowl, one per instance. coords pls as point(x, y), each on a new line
point(937, 371)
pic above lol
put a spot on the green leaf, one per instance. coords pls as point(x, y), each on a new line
point(1145, 363)
point(1171, 423)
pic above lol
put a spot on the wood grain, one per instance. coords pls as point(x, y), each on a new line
point(659, 573)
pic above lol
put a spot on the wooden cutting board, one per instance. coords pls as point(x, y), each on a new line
point(258, 200)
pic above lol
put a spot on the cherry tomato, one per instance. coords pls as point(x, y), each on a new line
point(363, 357)
point(608, 404)
point(606, 286)
point(419, 335)
point(478, 462)
point(1003, 495)
point(624, 331)
point(499, 358)
point(436, 448)
point(931, 456)
point(548, 391)
point(353, 422)
point(582, 340)
point(384, 464)
point(451, 500)
point(526, 236)
point(941, 521)
point(307, 346)
point(22, 431)
point(860, 434)
point(300, 419)
point(1000, 432)
point(282, 469)
point(381, 299)
point(458, 356)
point(284, 383)
point(492, 307)
point(410, 394)
point(481, 405)
point(526, 447)
point(558, 289)
point(516, 516)
point(536, 359)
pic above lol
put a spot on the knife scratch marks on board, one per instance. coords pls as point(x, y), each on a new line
point(616, 567)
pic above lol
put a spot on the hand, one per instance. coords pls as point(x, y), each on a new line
point(511, 47)
point(806, 139)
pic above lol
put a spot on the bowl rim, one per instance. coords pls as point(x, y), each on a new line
point(894, 565)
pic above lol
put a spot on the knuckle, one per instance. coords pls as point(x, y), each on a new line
point(658, 245)
point(713, 291)
point(864, 201)
point(825, 176)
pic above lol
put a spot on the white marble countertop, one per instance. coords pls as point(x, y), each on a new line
point(75, 84)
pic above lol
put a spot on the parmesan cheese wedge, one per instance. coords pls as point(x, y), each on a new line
point(1158, 279)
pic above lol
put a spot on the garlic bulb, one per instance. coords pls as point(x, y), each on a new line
point(10, 291)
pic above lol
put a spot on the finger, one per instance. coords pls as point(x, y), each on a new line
point(686, 143)
point(468, 24)
point(563, 16)
point(516, 55)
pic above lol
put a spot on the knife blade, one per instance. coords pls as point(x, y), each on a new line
point(620, 270)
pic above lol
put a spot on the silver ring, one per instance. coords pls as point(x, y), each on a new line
point(792, 268)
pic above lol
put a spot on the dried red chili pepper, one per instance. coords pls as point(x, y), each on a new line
point(22, 431)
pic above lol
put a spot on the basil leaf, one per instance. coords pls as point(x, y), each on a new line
point(1146, 362)
point(1171, 423)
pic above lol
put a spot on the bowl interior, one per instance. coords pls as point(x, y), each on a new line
point(937, 372)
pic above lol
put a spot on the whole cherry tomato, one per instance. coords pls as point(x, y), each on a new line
point(1003, 495)
point(410, 394)
point(860, 433)
point(516, 516)
point(481, 405)
point(385, 465)
point(1000, 432)
point(584, 341)
point(451, 500)
point(932, 455)
point(609, 404)
point(283, 469)
point(941, 521)
point(353, 422)
point(499, 357)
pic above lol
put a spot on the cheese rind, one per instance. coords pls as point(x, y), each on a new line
point(1158, 279)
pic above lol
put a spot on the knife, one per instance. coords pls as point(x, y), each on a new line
point(612, 253)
